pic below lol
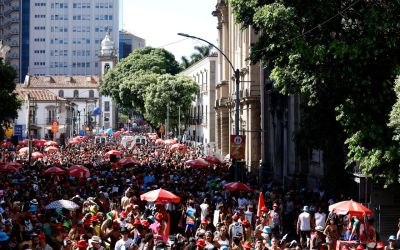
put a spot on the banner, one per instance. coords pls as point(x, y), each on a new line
point(54, 126)
point(238, 147)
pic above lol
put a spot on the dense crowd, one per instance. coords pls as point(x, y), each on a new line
point(111, 215)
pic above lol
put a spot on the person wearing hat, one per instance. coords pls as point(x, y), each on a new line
point(380, 245)
point(95, 243)
point(125, 242)
point(317, 239)
point(82, 244)
point(392, 243)
point(200, 244)
point(247, 245)
point(304, 226)
point(274, 219)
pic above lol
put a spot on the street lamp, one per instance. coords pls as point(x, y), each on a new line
point(237, 99)
point(237, 79)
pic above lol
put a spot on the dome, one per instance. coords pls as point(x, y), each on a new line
point(107, 42)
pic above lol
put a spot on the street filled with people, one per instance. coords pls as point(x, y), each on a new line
point(161, 194)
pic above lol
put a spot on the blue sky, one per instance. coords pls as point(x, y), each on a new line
point(159, 21)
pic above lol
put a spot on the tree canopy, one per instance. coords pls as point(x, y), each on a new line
point(343, 57)
point(9, 100)
point(146, 80)
point(200, 53)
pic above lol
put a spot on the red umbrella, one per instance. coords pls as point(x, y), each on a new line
point(37, 155)
point(212, 159)
point(40, 143)
point(23, 150)
point(6, 144)
point(8, 169)
point(198, 163)
point(24, 142)
point(51, 143)
point(159, 141)
point(54, 171)
point(350, 207)
point(73, 142)
point(113, 152)
point(118, 133)
point(79, 171)
point(16, 165)
point(160, 195)
point(170, 142)
point(178, 147)
point(128, 161)
point(237, 186)
point(51, 149)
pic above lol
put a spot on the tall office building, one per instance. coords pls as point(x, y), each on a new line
point(57, 37)
point(128, 42)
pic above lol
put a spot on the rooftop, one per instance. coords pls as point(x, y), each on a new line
point(36, 94)
point(61, 81)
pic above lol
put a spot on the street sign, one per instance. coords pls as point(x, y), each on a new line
point(238, 147)
point(19, 131)
point(54, 126)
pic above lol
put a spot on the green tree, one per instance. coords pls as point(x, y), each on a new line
point(342, 56)
point(10, 102)
point(127, 81)
point(185, 62)
point(200, 53)
point(172, 91)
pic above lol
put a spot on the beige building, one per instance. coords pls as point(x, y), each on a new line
point(235, 43)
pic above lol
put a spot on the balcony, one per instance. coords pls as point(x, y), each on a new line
point(33, 120)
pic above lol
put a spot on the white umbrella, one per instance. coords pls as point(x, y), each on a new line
point(60, 204)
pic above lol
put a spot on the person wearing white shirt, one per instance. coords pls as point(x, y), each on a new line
point(304, 226)
point(320, 218)
point(204, 207)
point(125, 243)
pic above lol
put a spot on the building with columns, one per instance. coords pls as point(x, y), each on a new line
point(202, 113)
point(235, 43)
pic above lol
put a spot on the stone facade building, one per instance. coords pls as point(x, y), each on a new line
point(235, 43)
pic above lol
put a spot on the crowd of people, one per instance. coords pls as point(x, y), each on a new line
point(110, 213)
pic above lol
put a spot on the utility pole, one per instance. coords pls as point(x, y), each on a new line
point(29, 131)
point(167, 123)
point(179, 123)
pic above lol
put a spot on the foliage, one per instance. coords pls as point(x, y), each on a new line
point(139, 82)
point(174, 91)
point(342, 56)
point(395, 113)
point(10, 102)
point(200, 53)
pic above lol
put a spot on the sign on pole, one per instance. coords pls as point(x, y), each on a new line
point(54, 126)
point(238, 147)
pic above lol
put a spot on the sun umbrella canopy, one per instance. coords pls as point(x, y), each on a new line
point(160, 195)
point(128, 161)
point(350, 207)
point(24, 142)
point(37, 155)
point(16, 165)
point(51, 143)
point(51, 149)
point(8, 169)
point(79, 171)
point(170, 142)
point(40, 143)
point(198, 163)
point(54, 171)
point(113, 152)
point(159, 141)
point(23, 150)
point(60, 204)
point(6, 144)
point(237, 186)
point(212, 159)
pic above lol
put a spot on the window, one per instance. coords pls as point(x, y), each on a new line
point(61, 93)
point(91, 93)
point(106, 106)
point(76, 93)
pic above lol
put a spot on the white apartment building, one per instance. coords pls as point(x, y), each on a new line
point(202, 113)
point(65, 35)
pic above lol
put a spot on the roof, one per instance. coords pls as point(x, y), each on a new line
point(62, 81)
point(37, 94)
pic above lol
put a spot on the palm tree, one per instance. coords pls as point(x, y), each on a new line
point(185, 62)
point(202, 51)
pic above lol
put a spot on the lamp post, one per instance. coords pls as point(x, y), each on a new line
point(237, 81)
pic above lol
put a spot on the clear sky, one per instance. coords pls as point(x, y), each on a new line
point(159, 21)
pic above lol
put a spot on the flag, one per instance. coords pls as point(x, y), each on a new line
point(96, 111)
point(261, 204)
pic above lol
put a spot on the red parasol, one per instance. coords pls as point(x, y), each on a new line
point(73, 142)
point(170, 142)
point(23, 150)
point(212, 159)
point(24, 142)
point(160, 195)
point(198, 163)
point(37, 155)
point(128, 161)
point(8, 169)
point(113, 152)
point(178, 147)
point(350, 207)
point(237, 186)
point(51, 143)
point(51, 149)
point(118, 133)
point(54, 171)
point(40, 143)
point(16, 165)
point(6, 144)
point(78, 171)
point(159, 141)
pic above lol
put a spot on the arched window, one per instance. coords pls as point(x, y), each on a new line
point(76, 93)
point(61, 93)
point(91, 93)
